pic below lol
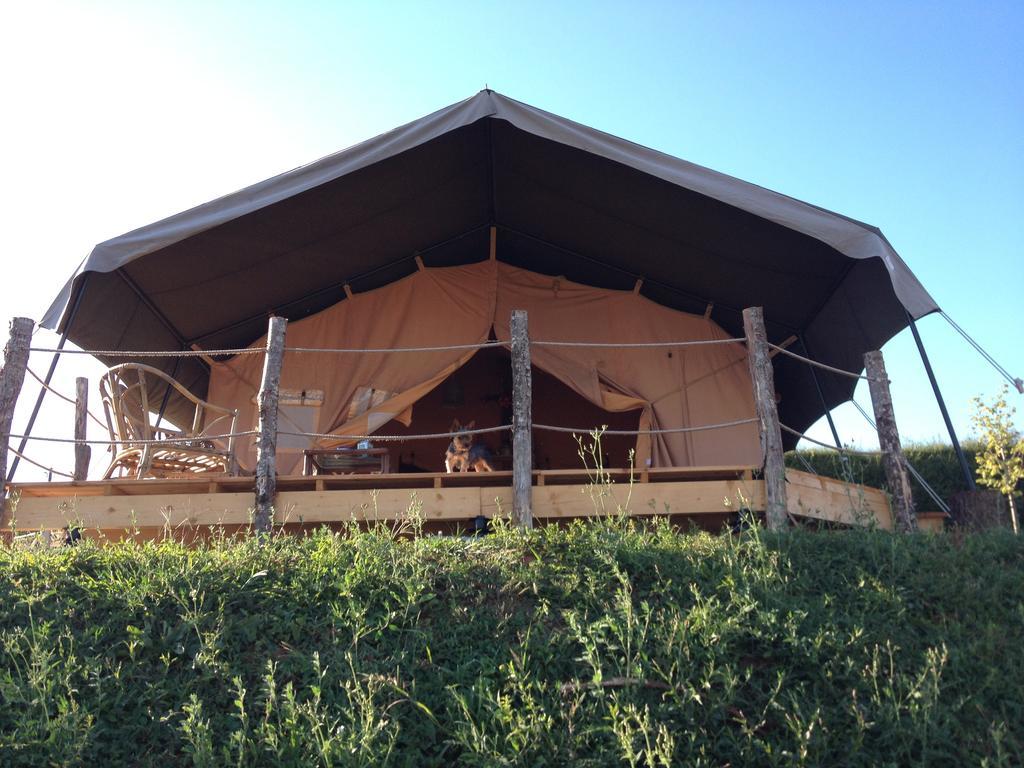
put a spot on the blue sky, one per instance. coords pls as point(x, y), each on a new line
point(908, 116)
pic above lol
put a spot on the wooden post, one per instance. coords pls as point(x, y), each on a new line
point(893, 461)
point(82, 450)
point(12, 376)
point(759, 362)
point(266, 446)
point(522, 422)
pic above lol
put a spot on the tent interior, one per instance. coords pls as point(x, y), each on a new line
point(480, 392)
point(443, 319)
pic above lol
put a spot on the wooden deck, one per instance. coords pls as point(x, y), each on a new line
point(115, 506)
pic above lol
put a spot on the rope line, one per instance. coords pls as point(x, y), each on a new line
point(1016, 382)
point(27, 460)
point(384, 350)
point(816, 364)
point(179, 441)
point(397, 438)
point(636, 345)
point(701, 428)
point(807, 465)
point(153, 352)
point(63, 397)
point(831, 447)
point(376, 350)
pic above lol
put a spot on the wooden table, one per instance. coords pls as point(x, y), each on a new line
point(346, 461)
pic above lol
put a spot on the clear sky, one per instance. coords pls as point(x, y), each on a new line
point(909, 116)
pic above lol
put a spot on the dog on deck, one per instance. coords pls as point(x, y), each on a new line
point(462, 455)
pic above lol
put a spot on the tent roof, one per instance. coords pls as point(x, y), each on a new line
point(565, 200)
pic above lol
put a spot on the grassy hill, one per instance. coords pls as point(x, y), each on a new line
point(597, 644)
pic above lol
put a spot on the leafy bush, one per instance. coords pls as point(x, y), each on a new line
point(593, 644)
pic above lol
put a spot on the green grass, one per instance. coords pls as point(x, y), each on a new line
point(600, 644)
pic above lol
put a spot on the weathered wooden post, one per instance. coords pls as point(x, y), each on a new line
point(759, 362)
point(12, 376)
point(266, 445)
point(522, 422)
point(893, 461)
point(82, 450)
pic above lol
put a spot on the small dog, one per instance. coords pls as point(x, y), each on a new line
point(462, 455)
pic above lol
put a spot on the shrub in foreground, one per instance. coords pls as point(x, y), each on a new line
point(597, 644)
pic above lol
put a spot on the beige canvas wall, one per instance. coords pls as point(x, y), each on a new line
point(459, 305)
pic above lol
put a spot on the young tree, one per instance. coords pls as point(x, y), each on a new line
point(1001, 461)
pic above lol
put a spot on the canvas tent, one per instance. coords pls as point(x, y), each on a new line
point(566, 201)
point(670, 388)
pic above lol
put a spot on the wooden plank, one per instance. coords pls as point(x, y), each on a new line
point(223, 483)
point(809, 496)
point(105, 512)
point(698, 497)
point(82, 450)
point(822, 498)
point(653, 474)
point(110, 512)
point(762, 376)
point(893, 461)
point(552, 501)
point(495, 502)
point(331, 506)
point(933, 522)
point(133, 487)
point(266, 445)
point(522, 421)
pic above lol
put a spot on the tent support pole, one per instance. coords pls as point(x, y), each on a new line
point(156, 312)
point(49, 376)
point(957, 449)
point(844, 460)
point(821, 394)
point(167, 392)
point(492, 182)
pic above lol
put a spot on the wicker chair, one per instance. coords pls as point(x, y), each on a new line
point(126, 392)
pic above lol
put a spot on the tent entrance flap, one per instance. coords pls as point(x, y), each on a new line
point(453, 309)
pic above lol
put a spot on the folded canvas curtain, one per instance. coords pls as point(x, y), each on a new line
point(450, 306)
